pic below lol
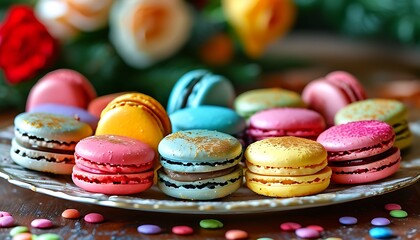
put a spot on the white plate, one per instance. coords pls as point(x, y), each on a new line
point(242, 201)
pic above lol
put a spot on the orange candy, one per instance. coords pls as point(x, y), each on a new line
point(71, 213)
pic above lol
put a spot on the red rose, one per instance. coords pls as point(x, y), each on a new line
point(25, 45)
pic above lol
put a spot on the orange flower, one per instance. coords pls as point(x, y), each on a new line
point(259, 22)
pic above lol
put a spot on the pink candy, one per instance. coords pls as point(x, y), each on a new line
point(41, 223)
point(290, 226)
point(3, 213)
point(392, 206)
point(182, 230)
point(236, 234)
point(307, 233)
point(6, 221)
point(94, 218)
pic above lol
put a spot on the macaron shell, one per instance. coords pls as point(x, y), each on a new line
point(348, 83)
point(216, 118)
point(70, 111)
point(145, 101)
point(357, 139)
point(41, 161)
point(105, 183)
point(285, 156)
point(207, 189)
point(297, 122)
point(199, 151)
point(250, 102)
point(98, 104)
point(325, 98)
point(288, 186)
point(368, 172)
point(131, 121)
point(50, 130)
point(62, 86)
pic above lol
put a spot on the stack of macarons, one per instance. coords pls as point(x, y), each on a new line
point(46, 142)
point(200, 165)
point(361, 151)
point(286, 167)
point(113, 164)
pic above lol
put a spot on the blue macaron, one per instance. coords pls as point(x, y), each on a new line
point(200, 87)
point(208, 117)
point(199, 165)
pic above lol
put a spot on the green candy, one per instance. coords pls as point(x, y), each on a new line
point(264, 238)
point(18, 229)
point(398, 213)
point(49, 236)
point(211, 224)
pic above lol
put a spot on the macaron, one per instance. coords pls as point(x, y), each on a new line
point(250, 102)
point(61, 86)
point(327, 95)
point(200, 87)
point(135, 115)
point(98, 104)
point(113, 164)
point(286, 167)
point(277, 122)
point(209, 117)
point(361, 151)
point(393, 112)
point(199, 165)
point(77, 113)
point(45, 142)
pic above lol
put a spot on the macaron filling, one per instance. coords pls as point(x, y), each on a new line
point(380, 147)
point(39, 155)
point(259, 133)
point(190, 177)
point(100, 167)
point(137, 178)
point(287, 170)
point(32, 140)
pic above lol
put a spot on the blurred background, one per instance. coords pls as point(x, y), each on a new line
point(146, 45)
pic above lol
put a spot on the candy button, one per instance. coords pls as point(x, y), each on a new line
point(307, 233)
point(94, 218)
point(71, 213)
point(149, 229)
point(3, 214)
point(41, 223)
point(380, 221)
point(48, 236)
point(236, 234)
point(398, 213)
point(182, 230)
point(290, 226)
point(348, 220)
point(265, 238)
point(392, 206)
point(18, 229)
point(316, 228)
point(211, 224)
point(7, 221)
point(381, 232)
point(333, 238)
point(24, 236)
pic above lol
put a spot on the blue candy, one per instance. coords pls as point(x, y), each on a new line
point(381, 232)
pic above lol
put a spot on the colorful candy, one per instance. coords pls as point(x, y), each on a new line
point(211, 224)
point(149, 229)
point(41, 223)
point(236, 234)
point(348, 220)
point(71, 214)
point(381, 232)
point(307, 233)
point(7, 221)
point(94, 218)
point(380, 221)
point(17, 230)
point(392, 206)
point(182, 230)
point(49, 236)
point(290, 226)
point(398, 213)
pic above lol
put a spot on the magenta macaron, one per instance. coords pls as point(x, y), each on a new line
point(277, 122)
point(361, 151)
point(113, 164)
point(329, 94)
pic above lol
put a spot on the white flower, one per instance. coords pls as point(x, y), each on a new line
point(147, 31)
point(66, 18)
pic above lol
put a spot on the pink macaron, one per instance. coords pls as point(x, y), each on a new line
point(329, 94)
point(113, 164)
point(62, 86)
point(361, 151)
point(277, 122)
point(98, 104)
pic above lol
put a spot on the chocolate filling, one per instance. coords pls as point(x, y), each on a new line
point(191, 177)
point(365, 170)
point(210, 185)
point(343, 153)
point(189, 89)
point(190, 164)
point(42, 149)
point(43, 139)
point(362, 161)
point(44, 158)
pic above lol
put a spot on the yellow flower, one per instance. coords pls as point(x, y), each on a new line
point(64, 19)
point(259, 22)
point(147, 31)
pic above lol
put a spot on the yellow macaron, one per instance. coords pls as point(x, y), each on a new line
point(135, 115)
point(286, 167)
